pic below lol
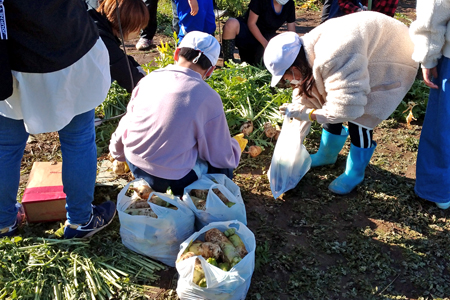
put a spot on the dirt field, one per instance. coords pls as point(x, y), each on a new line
point(313, 244)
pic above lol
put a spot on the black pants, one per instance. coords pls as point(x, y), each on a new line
point(360, 137)
point(149, 31)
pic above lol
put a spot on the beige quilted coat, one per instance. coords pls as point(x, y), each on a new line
point(362, 66)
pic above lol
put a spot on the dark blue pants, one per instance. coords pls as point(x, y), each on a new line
point(433, 157)
point(176, 185)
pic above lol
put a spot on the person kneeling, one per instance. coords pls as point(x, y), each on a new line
point(251, 33)
point(175, 127)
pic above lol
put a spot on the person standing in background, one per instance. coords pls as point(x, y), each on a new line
point(148, 33)
point(430, 33)
point(60, 73)
point(338, 8)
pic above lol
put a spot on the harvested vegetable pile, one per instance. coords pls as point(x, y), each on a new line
point(223, 250)
point(139, 205)
point(199, 198)
point(69, 269)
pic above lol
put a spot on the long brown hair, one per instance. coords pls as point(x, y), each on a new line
point(308, 81)
point(133, 15)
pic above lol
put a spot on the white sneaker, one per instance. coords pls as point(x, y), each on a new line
point(219, 13)
point(144, 44)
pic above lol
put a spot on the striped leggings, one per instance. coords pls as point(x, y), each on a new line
point(359, 136)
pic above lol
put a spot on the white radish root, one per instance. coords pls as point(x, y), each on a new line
point(269, 130)
point(247, 128)
point(143, 191)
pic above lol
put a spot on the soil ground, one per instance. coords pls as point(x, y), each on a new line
point(312, 244)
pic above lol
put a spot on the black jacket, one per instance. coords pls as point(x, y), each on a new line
point(117, 58)
point(47, 35)
point(42, 37)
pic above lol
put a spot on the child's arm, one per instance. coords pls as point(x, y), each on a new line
point(194, 7)
point(291, 26)
point(251, 22)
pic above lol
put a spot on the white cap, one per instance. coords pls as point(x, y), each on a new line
point(203, 42)
point(282, 2)
point(281, 53)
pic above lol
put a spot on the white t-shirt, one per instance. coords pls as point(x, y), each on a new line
point(47, 102)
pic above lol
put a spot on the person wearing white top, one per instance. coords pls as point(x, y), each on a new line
point(59, 76)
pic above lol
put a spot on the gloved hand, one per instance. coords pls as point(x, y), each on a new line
point(296, 111)
point(241, 140)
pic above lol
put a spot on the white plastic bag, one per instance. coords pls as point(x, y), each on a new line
point(290, 160)
point(215, 209)
point(158, 238)
point(221, 285)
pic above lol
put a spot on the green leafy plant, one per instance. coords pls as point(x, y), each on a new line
point(235, 8)
point(115, 103)
point(69, 269)
point(314, 5)
point(247, 96)
point(419, 95)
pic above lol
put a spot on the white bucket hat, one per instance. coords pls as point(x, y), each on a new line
point(281, 53)
point(203, 42)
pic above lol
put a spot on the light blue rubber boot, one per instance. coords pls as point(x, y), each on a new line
point(330, 146)
point(444, 205)
point(357, 161)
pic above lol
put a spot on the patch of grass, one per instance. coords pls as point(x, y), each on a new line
point(403, 18)
point(165, 16)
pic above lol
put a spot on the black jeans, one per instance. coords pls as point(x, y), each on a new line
point(149, 31)
point(360, 137)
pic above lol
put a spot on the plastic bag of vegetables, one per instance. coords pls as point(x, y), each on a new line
point(290, 160)
point(201, 277)
point(214, 198)
point(157, 232)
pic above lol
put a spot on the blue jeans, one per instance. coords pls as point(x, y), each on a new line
point(79, 168)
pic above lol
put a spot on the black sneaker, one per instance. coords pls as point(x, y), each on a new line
point(102, 215)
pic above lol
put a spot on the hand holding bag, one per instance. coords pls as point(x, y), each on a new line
point(290, 160)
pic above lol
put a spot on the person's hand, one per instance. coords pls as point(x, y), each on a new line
point(265, 43)
point(194, 7)
point(241, 140)
point(296, 111)
point(428, 74)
